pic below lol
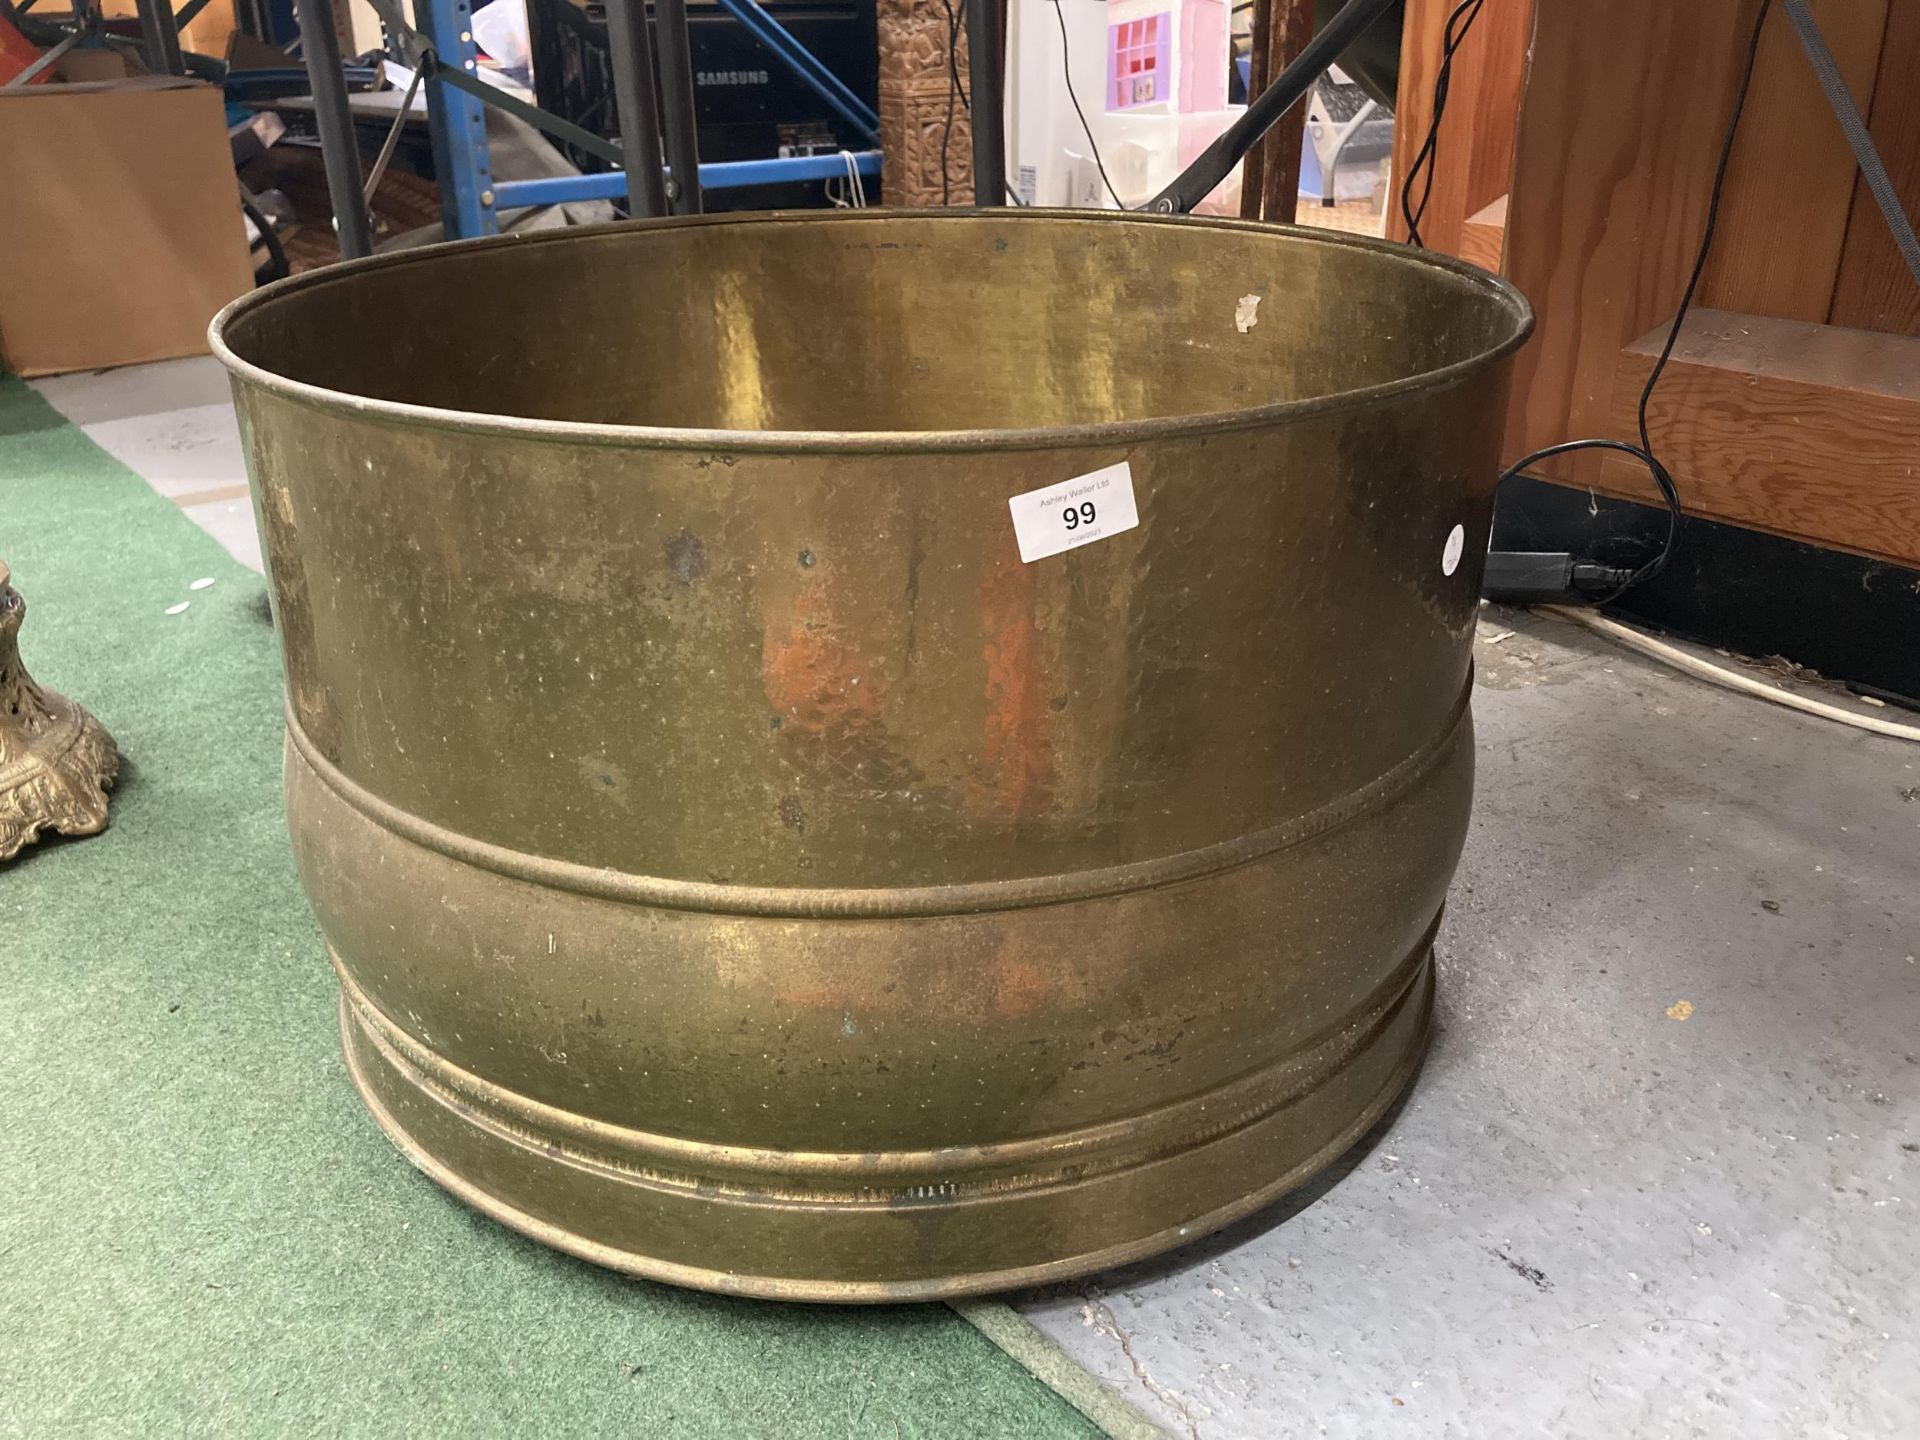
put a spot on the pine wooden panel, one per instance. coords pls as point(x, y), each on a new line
point(1875, 289)
point(1420, 43)
point(1625, 111)
point(1790, 186)
point(1617, 129)
point(1475, 158)
point(1804, 430)
point(1503, 34)
point(1483, 240)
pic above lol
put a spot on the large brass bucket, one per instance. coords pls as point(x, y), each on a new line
point(741, 866)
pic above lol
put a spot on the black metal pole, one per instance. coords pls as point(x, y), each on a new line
point(985, 63)
point(637, 96)
point(676, 90)
point(339, 147)
point(160, 37)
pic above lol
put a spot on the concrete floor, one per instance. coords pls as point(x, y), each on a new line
point(1659, 1175)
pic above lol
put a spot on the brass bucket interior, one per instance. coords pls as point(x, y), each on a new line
point(742, 867)
point(959, 324)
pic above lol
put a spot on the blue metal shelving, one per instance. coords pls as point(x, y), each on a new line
point(718, 175)
point(457, 123)
point(470, 198)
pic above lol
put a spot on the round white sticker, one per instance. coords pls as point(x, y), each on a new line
point(1456, 547)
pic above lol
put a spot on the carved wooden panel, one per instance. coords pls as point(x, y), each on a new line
point(918, 143)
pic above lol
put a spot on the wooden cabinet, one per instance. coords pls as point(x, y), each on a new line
point(1794, 405)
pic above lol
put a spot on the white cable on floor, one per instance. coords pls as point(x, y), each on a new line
point(1721, 675)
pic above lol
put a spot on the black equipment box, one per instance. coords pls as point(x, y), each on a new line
point(748, 105)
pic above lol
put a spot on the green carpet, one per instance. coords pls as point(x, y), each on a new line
point(200, 1230)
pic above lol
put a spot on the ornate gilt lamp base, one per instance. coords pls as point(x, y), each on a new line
point(56, 761)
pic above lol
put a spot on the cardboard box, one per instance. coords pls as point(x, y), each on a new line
point(80, 67)
point(120, 223)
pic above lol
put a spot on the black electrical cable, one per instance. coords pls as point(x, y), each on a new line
point(956, 18)
point(1644, 452)
point(1066, 64)
point(1459, 22)
point(953, 91)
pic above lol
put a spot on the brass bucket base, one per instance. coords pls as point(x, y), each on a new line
point(557, 1177)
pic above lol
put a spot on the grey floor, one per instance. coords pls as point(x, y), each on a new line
point(172, 423)
point(1660, 1172)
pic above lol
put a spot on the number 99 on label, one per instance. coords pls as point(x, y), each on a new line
point(1075, 512)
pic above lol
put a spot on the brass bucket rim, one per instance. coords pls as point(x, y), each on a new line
point(664, 437)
